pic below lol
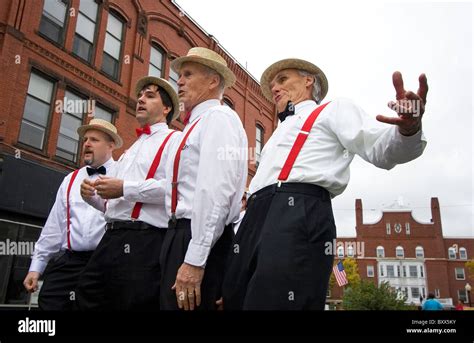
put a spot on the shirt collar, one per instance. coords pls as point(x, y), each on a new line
point(201, 108)
point(157, 127)
point(306, 104)
point(109, 163)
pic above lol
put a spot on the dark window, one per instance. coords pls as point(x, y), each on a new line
point(85, 29)
point(113, 46)
point(37, 111)
point(53, 20)
point(227, 102)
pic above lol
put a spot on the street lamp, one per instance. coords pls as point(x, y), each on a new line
point(468, 290)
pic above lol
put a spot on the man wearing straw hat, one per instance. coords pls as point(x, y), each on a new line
point(206, 175)
point(124, 272)
point(73, 229)
point(282, 262)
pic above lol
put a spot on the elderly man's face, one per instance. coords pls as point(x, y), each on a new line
point(195, 85)
point(150, 107)
point(290, 85)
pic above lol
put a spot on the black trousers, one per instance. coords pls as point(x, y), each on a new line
point(278, 260)
point(124, 272)
point(174, 250)
point(58, 292)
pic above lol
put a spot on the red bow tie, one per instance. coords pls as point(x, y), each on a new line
point(143, 130)
point(186, 119)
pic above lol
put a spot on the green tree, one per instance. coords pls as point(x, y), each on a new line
point(367, 296)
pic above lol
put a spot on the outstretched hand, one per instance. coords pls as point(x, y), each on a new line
point(409, 106)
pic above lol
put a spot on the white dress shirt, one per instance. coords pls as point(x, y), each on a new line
point(238, 221)
point(341, 130)
point(133, 167)
point(87, 225)
point(211, 178)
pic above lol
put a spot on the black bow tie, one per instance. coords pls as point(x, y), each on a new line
point(92, 171)
point(289, 111)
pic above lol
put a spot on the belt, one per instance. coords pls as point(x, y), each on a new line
point(292, 187)
point(81, 254)
point(129, 224)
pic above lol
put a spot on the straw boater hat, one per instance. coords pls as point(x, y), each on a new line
point(104, 126)
point(208, 58)
point(162, 83)
point(291, 63)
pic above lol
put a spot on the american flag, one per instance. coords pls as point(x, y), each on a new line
point(340, 274)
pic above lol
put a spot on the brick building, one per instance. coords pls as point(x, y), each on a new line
point(413, 256)
point(64, 61)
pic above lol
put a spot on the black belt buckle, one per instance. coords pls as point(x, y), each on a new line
point(173, 222)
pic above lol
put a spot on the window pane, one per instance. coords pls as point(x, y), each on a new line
point(69, 126)
point(55, 10)
point(153, 71)
point(68, 145)
point(65, 155)
point(110, 66)
point(40, 88)
point(112, 46)
point(75, 105)
point(174, 77)
point(82, 48)
point(413, 272)
point(85, 27)
point(114, 26)
point(459, 273)
point(51, 30)
point(89, 8)
point(102, 114)
point(156, 58)
point(390, 271)
point(462, 254)
point(31, 134)
point(415, 292)
point(36, 111)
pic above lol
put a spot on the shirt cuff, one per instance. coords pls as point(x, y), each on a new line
point(131, 190)
point(38, 266)
point(197, 254)
point(409, 139)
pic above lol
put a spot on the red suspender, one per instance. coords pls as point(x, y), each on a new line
point(68, 210)
point(154, 166)
point(299, 142)
point(174, 184)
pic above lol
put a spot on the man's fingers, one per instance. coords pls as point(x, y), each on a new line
point(398, 84)
point(198, 295)
point(389, 120)
point(423, 88)
point(191, 300)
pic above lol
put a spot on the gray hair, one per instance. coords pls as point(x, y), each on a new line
point(212, 72)
point(316, 92)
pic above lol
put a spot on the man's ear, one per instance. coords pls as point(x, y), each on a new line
point(166, 110)
point(214, 81)
point(309, 81)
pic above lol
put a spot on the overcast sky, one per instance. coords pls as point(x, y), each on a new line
point(359, 45)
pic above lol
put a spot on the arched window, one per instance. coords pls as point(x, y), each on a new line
point(227, 102)
point(463, 253)
point(419, 252)
point(380, 251)
point(350, 251)
point(399, 252)
point(258, 143)
point(340, 251)
point(452, 253)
